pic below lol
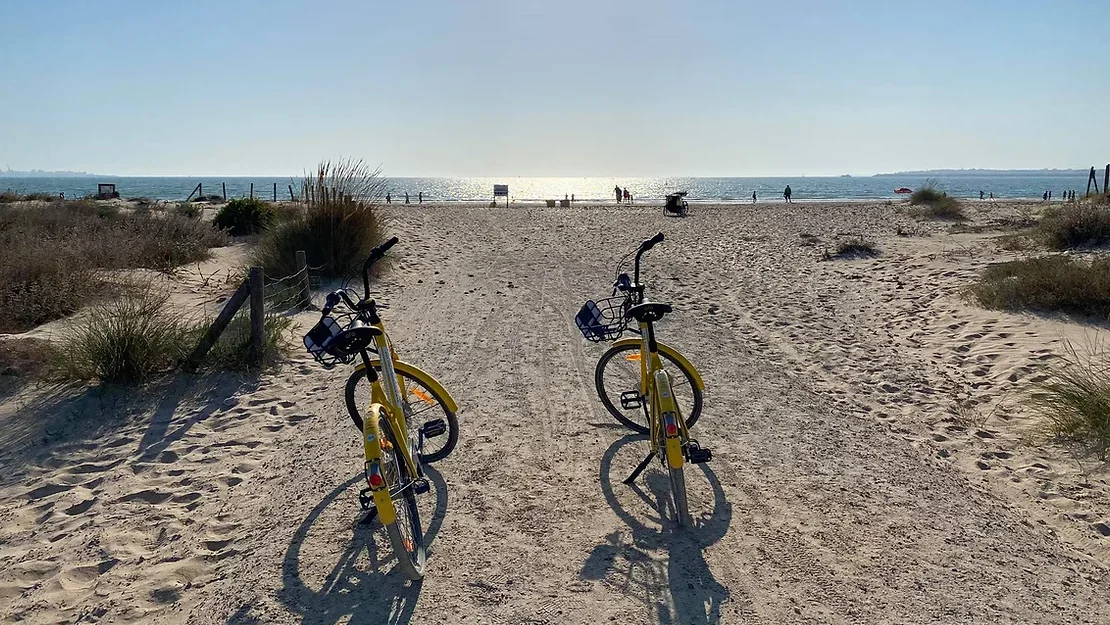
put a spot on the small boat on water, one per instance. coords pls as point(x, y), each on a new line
point(903, 190)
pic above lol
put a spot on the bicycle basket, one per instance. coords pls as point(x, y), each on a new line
point(603, 320)
point(317, 339)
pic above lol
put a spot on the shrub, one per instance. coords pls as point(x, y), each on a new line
point(1075, 400)
point(927, 194)
point(857, 247)
point(243, 216)
point(1074, 225)
point(128, 339)
point(188, 210)
point(52, 253)
point(1049, 283)
point(25, 357)
point(232, 350)
point(338, 225)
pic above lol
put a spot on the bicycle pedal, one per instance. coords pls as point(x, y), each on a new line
point(420, 486)
point(431, 429)
point(366, 499)
point(631, 400)
point(698, 455)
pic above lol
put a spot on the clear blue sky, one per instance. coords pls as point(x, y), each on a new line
point(571, 87)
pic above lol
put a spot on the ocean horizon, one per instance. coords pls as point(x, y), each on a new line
point(1004, 185)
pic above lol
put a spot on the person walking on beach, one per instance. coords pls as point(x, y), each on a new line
point(787, 193)
point(753, 197)
point(572, 198)
point(388, 200)
point(1044, 198)
point(992, 196)
point(980, 195)
point(617, 191)
point(627, 195)
point(420, 197)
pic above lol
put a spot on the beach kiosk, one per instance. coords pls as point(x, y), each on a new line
point(106, 191)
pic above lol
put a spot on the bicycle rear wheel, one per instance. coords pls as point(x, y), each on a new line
point(618, 371)
point(421, 405)
point(405, 533)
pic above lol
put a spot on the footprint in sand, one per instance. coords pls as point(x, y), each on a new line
point(149, 495)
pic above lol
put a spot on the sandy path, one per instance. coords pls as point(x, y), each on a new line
point(830, 498)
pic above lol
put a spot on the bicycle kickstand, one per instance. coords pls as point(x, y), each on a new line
point(639, 469)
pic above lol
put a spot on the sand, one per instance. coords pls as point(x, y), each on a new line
point(874, 458)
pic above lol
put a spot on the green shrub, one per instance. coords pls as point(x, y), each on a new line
point(930, 203)
point(128, 339)
point(1049, 283)
point(337, 227)
point(1075, 400)
point(1074, 225)
point(243, 216)
point(927, 194)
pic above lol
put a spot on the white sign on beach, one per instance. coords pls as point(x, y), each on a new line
point(500, 190)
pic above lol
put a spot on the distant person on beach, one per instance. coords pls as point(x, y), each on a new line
point(992, 196)
point(787, 193)
point(388, 199)
point(1044, 197)
point(572, 198)
point(420, 197)
point(753, 197)
point(406, 197)
point(980, 195)
point(617, 191)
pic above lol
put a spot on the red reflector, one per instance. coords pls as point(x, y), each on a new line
point(375, 480)
point(672, 429)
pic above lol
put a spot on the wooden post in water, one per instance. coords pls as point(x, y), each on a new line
point(200, 190)
point(258, 318)
point(1106, 181)
point(224, 185)
point(195, 189)
point(292, 198)
point(275, 191)
point(305, 296)
point(1090, 179)
point(252, 190)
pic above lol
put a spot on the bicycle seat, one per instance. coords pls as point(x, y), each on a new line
point(353, 339)
point(649, 311)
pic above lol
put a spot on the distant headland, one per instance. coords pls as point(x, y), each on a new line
point(39, 173)
point(950, 173)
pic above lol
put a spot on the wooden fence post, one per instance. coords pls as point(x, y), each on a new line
point(292, 198)
point(1106, 181)
point(275, 191)
point(209, 339)
point(200, 190)
point(1090, 179)
point(258, 318)
point(224, 185)
point(305, 296)
point(195, 189)
point(252, 190)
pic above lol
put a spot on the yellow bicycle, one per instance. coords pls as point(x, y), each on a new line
point(652, 400)
point(400, 418)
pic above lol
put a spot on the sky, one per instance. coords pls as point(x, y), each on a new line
point(567, 88)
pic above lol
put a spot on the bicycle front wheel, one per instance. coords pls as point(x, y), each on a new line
point(618, 371)
point(421, 405)
point(405, 533)
point(678, 491)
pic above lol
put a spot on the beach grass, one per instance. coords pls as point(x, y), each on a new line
point(337, 226)
point(243, 216)
point(1047, 284)
point(929, 202)
point(856, 247)
point(1075, 401)
point(53, 254)
point(1084, 224)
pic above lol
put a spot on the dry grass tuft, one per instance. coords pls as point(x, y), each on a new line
point(1075, 401)
point(1047, 284)
point(339, 223)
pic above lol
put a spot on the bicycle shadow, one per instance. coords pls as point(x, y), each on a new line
point(680, 588)
point(351, 593)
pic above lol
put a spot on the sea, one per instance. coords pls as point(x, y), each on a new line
point(535, 189)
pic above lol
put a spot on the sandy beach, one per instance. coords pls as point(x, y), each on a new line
point(876, 459)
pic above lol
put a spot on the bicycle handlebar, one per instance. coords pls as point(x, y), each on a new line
point(376, 254)
point(645, 246)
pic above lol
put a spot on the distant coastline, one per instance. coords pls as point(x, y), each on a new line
point(39, 173)
point(951, 173)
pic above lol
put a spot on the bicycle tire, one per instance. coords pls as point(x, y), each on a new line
point(406, 535)
point(358, 380)
point(690, 416)
point(678, 491)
